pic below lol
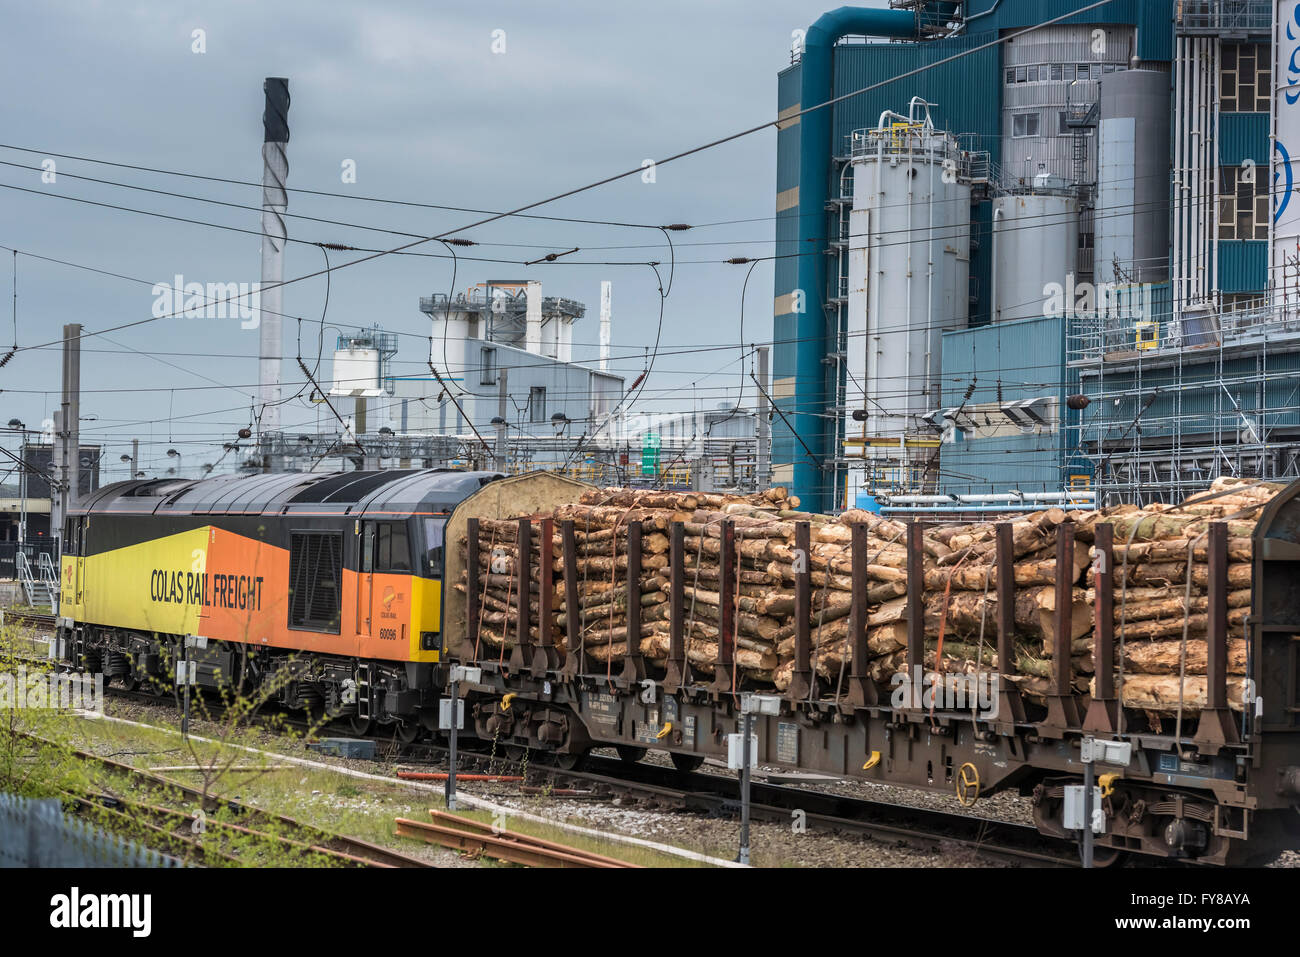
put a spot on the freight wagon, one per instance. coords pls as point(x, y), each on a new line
point(236, 560)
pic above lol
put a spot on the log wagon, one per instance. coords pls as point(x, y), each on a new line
point(615, 618)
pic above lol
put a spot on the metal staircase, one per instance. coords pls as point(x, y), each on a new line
point(40, 586)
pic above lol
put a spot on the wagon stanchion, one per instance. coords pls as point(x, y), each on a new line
point(573, 663)
point(519, 658)
point(633, 661)
point(861, 690)
point(726, 610)
point(544, 659)
point(1062, 709)
point(1011, 707)
point(801, 677)
point(473, 599)
point(676, 670)
point(1216, 726)
point(1103, 711)
point(915, 611)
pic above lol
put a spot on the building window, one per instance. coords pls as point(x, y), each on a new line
point(537, 404)
point(1024, 124)
point(1243, 203)
point(315, 580)
point(1058, 72)
point(489, 366)
point(1245, 78)
point(1011, 75)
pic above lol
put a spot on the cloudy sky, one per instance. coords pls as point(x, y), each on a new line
point(414, 94)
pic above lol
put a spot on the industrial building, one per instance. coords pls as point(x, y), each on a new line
point(1045, 261)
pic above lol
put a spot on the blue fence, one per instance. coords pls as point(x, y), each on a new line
point(36, 833)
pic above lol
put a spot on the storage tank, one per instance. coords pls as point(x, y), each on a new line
point(909, 270)
point(356, 371)
point(1132, 220)
point(454, 326)
point(1035, 243)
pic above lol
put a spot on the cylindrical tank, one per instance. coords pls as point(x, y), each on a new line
point(1132, 219)
point(449, 348)
point(909, 270)
point(1035, 244)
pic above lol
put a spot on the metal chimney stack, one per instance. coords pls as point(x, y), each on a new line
point(275, 200)
point(533, 318)
point(606, 297)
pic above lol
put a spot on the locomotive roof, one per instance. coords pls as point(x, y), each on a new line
point(384, 492)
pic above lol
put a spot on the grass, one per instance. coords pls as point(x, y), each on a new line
point(356, 807)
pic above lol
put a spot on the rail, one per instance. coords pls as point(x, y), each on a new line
point(1225, 16)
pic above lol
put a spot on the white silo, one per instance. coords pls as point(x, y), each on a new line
point(1035, 244)
point(455, 324)
point(909, 269)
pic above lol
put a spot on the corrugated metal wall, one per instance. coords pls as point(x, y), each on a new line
point(1243, 136)
point(1153, 19)
point(1010, 361)
point(1243, 265)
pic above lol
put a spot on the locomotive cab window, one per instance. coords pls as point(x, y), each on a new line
point(433, 528)
point(392, 552)
point(315, 580)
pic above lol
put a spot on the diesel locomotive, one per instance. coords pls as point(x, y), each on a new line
point(330, 584)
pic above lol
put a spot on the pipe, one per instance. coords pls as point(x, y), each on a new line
point(993, 279)
point(606, 314)
point(442, 776)
point(962, 509)
point(808, 396)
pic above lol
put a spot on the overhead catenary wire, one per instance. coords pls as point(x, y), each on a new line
point(774, 123)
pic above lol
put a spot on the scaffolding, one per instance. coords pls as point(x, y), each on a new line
point(1176, 402)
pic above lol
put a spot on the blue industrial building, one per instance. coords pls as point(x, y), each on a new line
point(1104, 164)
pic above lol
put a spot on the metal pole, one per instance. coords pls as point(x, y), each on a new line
point(185, 715)
point(135, 458)
point(1089, 777)
point(502, 397)
point(747, 726)
point(454, 691)
point(763, 477)
point(22, 494)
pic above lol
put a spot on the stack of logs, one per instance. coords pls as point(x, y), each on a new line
point(1155, 551)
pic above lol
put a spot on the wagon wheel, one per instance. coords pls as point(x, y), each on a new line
point(407, 732)
point(968, 784)
point(359, 726)
point(1103, 856)
point(570, 762)
point(686, 762)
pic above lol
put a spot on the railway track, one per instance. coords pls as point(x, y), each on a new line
point(657, 786)
point(714, 794)
point(186, 832)
point(39, 619)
